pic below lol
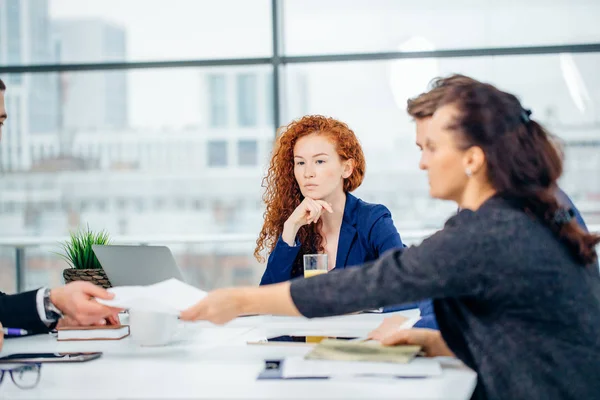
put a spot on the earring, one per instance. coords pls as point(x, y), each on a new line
point(468, 172)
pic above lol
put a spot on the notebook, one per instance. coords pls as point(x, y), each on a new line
point(106, 332)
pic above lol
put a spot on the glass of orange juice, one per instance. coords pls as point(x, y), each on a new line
point(315, 264)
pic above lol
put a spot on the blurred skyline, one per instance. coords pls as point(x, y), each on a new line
point(206, 29)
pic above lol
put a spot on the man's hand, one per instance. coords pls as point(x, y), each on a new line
point(387, 327)
point(429, 339)
point(76, 301)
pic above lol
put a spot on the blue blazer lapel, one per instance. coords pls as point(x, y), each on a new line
point(347, 231)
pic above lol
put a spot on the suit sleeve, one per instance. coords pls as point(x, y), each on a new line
point(435, 268)
point(20, 311)
point(280, 263)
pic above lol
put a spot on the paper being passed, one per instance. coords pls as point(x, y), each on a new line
point(170, 296)
point(298, 367)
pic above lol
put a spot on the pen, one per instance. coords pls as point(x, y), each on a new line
point(15, 332)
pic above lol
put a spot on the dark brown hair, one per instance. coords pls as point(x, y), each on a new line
point(523, 163)
point(425, 104)
point(2, 86)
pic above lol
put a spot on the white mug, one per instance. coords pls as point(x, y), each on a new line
point(151, 328)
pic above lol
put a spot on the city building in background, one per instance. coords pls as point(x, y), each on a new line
point(25, 39)
point(91, 101)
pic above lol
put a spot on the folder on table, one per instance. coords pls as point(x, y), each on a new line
point(373, 351)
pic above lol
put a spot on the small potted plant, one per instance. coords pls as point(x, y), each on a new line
point(84, 266)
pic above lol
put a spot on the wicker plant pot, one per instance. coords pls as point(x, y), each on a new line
point(95, 276)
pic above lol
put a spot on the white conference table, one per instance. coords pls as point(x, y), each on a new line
point(208, 361)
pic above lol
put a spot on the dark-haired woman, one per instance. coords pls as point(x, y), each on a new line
point(515, 293)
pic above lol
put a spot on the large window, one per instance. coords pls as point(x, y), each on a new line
point(351, 26)
point(165, 30)
point(157, 126)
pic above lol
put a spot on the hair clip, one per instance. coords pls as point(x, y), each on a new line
point(563, 216)
point(525, 113)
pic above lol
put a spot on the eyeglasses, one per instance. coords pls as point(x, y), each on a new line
point(24, 376)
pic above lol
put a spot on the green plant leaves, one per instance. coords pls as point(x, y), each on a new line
point(77, 251)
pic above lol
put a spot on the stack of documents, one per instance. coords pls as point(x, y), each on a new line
point(170, 296)
point(344, 350)
point(341, 358)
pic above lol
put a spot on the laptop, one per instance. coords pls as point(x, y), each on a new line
point(137, 265)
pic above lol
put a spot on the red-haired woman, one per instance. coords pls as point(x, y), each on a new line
point(316, 163)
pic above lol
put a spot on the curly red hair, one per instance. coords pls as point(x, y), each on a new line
point(282, 193)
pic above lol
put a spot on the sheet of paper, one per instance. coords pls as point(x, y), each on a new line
point(298, 367)
point(172, 296)
point(177, 294)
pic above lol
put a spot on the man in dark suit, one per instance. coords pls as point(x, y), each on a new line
point(40, 310)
